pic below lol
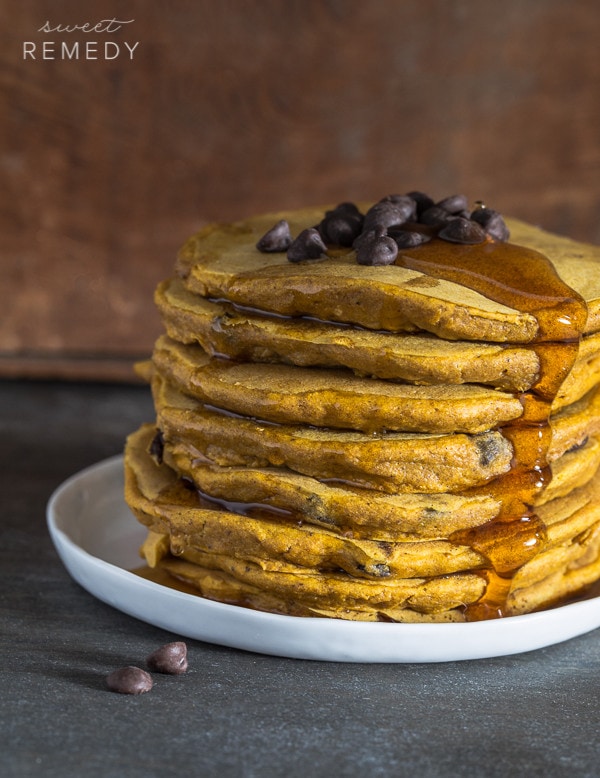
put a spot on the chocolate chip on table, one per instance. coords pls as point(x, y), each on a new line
point(464, 231)
point(308, 245)
point(170, 658)
point(278, 238)
point(129, 680)
point(375, 249)
point(491, 221)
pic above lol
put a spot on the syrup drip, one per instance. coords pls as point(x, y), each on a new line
point(521, 278)
point(526, 281)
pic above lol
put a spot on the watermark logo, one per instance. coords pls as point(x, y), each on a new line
point(82, 47)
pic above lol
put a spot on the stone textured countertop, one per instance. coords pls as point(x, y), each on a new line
point(235, 713)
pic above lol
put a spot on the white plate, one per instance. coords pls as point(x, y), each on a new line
point(98, 538)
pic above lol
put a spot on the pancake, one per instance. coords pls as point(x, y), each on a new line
point(222, 262)
point(335, 398)
point(331, 398)
point(315, 595)
point(360, 512)
point(388, 415)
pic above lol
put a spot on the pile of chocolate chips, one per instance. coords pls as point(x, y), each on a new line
point(395, 222)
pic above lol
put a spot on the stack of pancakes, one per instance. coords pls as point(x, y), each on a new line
point(409, 441)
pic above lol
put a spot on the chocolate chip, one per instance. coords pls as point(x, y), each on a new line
point(435, 217)
point(578, 446)
point(381, 570)
point(308, 245)
point(388, 213)
point(349, 208)
point(462, 231)
point(422, 201)
point(170, 658)
point(492, 222)
point(489, 447)
point(406, 203)
point(406, 239)
point(340, 230)
point(278, 238)
point(454, 204)
point(129, 680)
point(342, 225)
point(375, 249)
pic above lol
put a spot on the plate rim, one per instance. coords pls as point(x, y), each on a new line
point(329, 635)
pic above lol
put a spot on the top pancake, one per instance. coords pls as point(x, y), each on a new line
point(222, 262)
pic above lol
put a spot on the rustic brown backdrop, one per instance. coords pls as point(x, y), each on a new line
point(229, 107)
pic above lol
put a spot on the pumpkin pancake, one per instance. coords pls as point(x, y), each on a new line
point(363, 513)
point(321, 595)
point(222, 262)
point(330, 398)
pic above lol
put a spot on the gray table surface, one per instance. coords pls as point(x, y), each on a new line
point(236, 713)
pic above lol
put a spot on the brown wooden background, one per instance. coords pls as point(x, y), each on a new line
point(230, 107)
